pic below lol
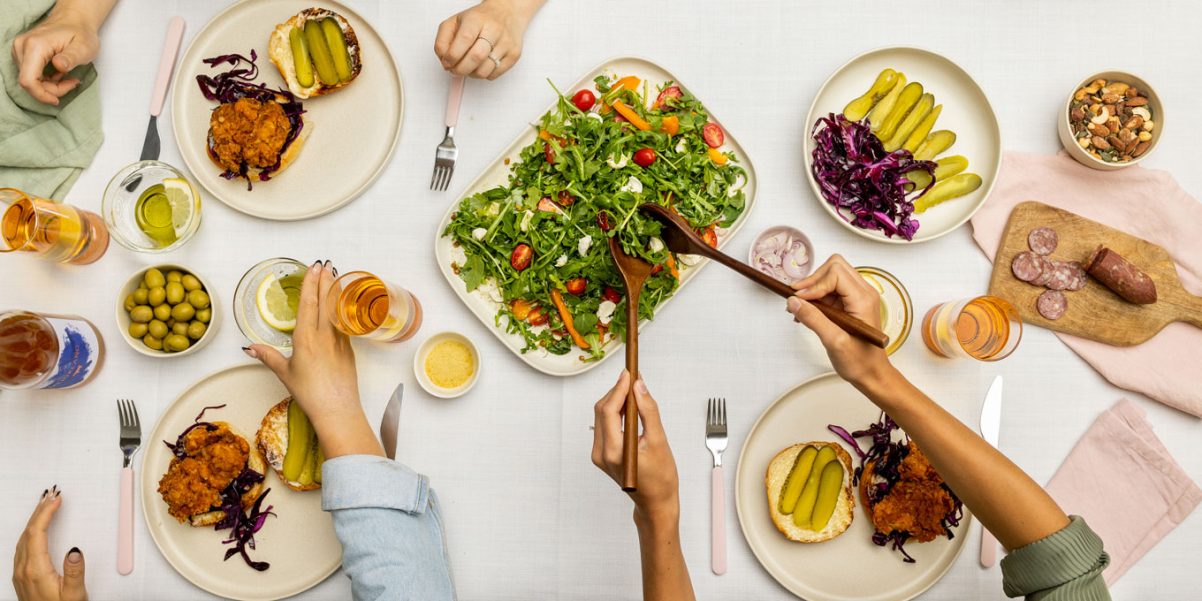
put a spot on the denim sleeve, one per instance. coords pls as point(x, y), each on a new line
point(387, 518)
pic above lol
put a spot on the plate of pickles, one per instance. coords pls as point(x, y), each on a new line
point(287, 109)
point(902, 145)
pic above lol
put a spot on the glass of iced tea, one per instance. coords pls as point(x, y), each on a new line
point(55, 231)
point(361, 304)
point(985, 328)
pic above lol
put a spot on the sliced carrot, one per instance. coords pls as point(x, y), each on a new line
point(716, 156)
point(671, 125)
point(629, 82)
point(672, 267)
point(631, 116)
point(544, 135)
point(566, 316)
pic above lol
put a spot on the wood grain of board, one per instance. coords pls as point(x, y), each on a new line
point(1094, 312)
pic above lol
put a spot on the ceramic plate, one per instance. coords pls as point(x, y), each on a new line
point(298, 541)
point(353, 131)
point(849, 566)
point(497, 174)
point(966, 111)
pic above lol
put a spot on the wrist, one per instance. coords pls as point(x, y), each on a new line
point(350, 436)
point(658, 516)
point(88, 14)
point(878, 380)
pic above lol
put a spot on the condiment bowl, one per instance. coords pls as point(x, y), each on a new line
point(1065, 129)
point(123, 319)
point(119, 205)
point(419, 365)
point(792, 231)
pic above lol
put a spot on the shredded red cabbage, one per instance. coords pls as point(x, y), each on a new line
point(857, 175)
point(237, 83)
point(886, 456)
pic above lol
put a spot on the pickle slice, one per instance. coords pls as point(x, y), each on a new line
point(953, 187)
point(306, 475)
point(935, 143)
point(924, 127)
point(299, 437)
point(909, 97)
point(804, 511)
point(882, 109)
point(830, 487)
point(300, 58)
point(320, 53)
point(858, 108)
point(337, 44)
point(910, 123)
point(947, 167)
point(796, 480)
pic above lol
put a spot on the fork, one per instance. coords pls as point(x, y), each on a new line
point(715, 441)
point(445, 155)
point(131, 440)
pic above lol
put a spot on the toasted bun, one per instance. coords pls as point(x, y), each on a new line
point(280, 52)
point(272, 441)
point(286, 159)
point(255, 462)
point(774, 480)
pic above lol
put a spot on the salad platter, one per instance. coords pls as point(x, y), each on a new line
point(955, 107)
point(720, 193)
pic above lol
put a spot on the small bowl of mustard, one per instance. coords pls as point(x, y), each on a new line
point(447, 365)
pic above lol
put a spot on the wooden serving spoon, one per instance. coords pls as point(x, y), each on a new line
point(679, 237)
point(635, 272)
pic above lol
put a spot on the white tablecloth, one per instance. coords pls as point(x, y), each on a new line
point(528, 517)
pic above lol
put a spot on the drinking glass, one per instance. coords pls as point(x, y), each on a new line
point(247, 313)
point(985, 328)
point(55, 231)
point(897, 314)
point(361, 304)
point(151, 207)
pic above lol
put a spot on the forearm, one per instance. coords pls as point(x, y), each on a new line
point(989, 484)
point(89, 12)
point(346, 433)
point(665, 575)
point(525, 8)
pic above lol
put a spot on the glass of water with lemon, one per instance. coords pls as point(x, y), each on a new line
point(150, 206)
point(266, 301)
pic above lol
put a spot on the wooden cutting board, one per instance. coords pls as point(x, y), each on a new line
point(1094, 312)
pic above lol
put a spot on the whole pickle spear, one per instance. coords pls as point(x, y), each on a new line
point(320, 53)
point(910, 95)
point(858, 108)
point(300, 58)
point(337, 44)
point(299, 433)
point(910, 123)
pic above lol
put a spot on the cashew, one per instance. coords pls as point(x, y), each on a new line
point(1148, 125)
point(1144, 136)
point(1103, 116)
point(1083, 142)
point(1142, 111)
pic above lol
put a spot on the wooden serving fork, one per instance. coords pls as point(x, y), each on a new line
point(635, 272)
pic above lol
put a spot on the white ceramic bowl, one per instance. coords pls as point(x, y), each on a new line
point(796, 233)
point(123, 319)
point(1065, 129)
point(419, 365)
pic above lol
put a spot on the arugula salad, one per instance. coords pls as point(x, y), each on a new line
point(538, 245)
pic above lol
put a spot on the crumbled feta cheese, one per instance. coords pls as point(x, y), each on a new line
point(655, 244)
point(479, 233)
point(458, 255)
point(616, 164)
point(592, 115)
point(490, 291)
point(606, 311)
point(525, 224)
point(561, 261)
point(585, 242)
point(632, 185)
point(494, 209)
point(680, 145)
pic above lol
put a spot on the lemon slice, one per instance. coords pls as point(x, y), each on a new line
point(277, 302)
point(181, 195)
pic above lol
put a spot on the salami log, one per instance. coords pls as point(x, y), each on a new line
point(1052, 304)
point(1121, 276)
point(1043, 240)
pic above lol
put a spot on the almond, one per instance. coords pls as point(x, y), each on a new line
point(1139, 101)
point(1100, 143)
point(1140, 148)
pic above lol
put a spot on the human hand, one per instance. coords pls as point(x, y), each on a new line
point(34, 576)
point(658, 492)
point(468, 42)
point(65, 39)
point(836, 283)
point(321, 373)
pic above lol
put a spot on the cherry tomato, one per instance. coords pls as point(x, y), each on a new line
point(611, 295)
point(667, 98)
point(584, 100)
point(577, 286)
point(713, 135)
point(538, 317)
point(565, 198)
point(657, 269)
point(548, 153)
point(521, 309)
point(522, 254)
point(620, 119)
point(603, 221)
point(710, 236)
point(644, 157)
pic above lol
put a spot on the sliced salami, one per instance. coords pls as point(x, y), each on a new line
point(1052, 304)
point(1043, 240)
point(1047, 270)
point(1079, 277)
point(1026, 266)
point(1062, 276)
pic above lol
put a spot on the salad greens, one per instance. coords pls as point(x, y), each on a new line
point(538, 245)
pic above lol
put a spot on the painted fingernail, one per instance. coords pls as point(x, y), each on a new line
point(794, 304)
point(74, 555)
point(45, 492)
point(334, 270)
point(315, 264)
point(250, 352)
point(57, 493)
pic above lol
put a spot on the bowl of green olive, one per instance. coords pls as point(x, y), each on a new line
point(166, 311)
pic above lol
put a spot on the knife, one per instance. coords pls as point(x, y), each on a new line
point(991, 425)
point(150, 146)
point(391, 421)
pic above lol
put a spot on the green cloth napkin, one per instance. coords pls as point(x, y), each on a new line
point(43, 148)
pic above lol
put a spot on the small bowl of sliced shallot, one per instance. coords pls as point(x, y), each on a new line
point(782, 252)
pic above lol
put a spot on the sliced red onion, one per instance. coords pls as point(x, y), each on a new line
point(782, 256)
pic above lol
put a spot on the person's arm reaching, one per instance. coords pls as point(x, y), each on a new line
point(657, 501)
point(385, 515)
point(1006, 500)
point(485, 40)
point(67, 38)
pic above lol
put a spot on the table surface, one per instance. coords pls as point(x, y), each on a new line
point(536, 520)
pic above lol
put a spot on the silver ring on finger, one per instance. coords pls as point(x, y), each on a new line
point(496, 61)
point(491, 47)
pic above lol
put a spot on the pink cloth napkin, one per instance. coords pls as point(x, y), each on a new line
point(1120, 452)
point(1143, 202)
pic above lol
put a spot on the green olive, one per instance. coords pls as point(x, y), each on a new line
point(191, 283)
point(154, 278)
point(198, 299)
point(156, 296)
point(175, 293)
point(183, 312)
point(177, 342)
point(158, 329)
point(141, 296)
point(137, 330)
point(130, 303)
point(180, 327)
point(162, 312)
point(204, 315)
point(196, 329)
point(174, 276)
point(141, 314)
point(142, 284)
point(152, 342)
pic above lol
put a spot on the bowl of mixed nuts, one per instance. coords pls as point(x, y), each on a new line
point(1112, 120)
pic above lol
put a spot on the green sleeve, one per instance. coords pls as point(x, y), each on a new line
point(1064, 566)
